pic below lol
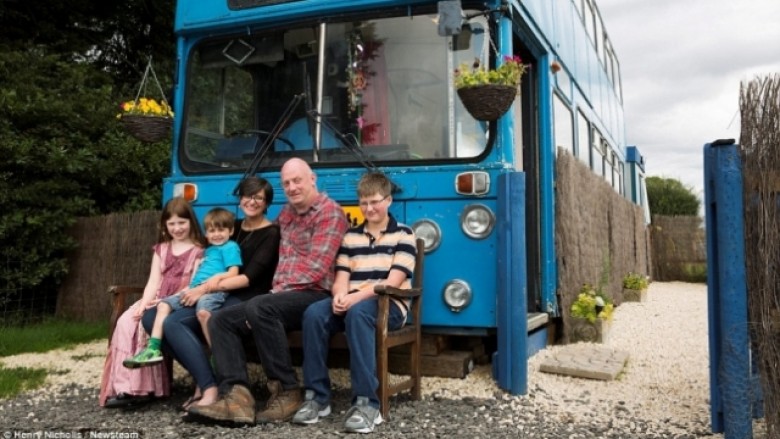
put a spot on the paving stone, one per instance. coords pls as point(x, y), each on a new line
point(586, 361)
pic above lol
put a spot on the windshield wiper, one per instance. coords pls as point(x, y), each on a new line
point(269, 140)
point(351, 144)
point(349, 141)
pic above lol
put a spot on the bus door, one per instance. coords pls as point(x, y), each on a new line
point(526, 158)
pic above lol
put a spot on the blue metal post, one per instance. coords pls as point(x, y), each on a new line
point(548, 262)
point(510, 362)
point(730, 370)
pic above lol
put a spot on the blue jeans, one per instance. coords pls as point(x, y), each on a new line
point(210, 302)
point(270, 317)
point(184, 340)
point(359, 326)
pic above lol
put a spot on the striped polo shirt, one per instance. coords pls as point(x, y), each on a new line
point(369, 259)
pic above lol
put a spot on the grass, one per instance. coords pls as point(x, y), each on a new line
point(48, 335)
point(18, 379)
point(42, 337)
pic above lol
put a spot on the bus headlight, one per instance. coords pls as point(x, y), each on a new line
point(477, 221)
point(430, 233)
point(457, 295)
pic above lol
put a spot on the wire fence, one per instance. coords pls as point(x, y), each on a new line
point(22, 306)
point(112, 250)
point(760, 143)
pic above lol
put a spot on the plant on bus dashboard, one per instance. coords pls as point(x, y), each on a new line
point(488, 93)
point(635, 287)
point(146, 119)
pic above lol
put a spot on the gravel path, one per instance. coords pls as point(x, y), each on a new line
point(662, 393)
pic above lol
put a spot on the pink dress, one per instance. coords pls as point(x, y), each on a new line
point(129, 337)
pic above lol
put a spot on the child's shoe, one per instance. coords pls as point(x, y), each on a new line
point(146, 357)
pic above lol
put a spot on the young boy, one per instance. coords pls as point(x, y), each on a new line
point(380, 251)
point(221, 260)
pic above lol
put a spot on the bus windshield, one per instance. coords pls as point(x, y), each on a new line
point(377, 90)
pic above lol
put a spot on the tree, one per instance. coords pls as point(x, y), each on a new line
point(64, 68)
point(64, 156)
point(668, 196)
point(116, 37)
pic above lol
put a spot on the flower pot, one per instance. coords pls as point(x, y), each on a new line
point(630, 295)
point(147, 128)
point(583, 330)
point(487, 102)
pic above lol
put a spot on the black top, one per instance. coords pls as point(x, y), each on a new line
point(259, 254)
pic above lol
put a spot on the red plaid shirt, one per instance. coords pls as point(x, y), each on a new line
point(310, 242)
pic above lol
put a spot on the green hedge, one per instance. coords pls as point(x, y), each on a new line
point(64, 155)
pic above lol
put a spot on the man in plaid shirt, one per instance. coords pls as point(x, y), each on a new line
point(312, 226)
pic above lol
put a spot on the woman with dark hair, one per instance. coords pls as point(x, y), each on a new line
point(258, 239)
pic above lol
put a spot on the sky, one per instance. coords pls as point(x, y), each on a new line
point(683, 63)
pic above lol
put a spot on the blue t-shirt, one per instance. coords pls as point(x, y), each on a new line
point(217, 259)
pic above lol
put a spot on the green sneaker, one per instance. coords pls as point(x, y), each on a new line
point(146, 357)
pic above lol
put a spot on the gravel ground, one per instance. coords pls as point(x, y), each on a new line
point(662, 393)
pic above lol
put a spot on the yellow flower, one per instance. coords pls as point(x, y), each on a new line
point(509, 73)
point(146, 107)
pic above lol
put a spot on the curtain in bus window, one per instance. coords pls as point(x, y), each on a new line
point(374, 121)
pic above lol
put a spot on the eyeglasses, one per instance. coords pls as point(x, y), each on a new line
point(256, 198)
point(372, 203)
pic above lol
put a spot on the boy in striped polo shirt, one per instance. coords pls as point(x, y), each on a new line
point(379, 251)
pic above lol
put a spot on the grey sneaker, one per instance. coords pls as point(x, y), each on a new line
point(311, 411)
point(362, 418)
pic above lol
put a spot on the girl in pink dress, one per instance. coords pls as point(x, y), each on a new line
point(176, 254)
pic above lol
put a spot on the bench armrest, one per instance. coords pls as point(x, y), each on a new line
point(122, 297)
point(398, 293)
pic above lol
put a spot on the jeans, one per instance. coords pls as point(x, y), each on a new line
point(270, 317)
point(359, 326)
point(210, 302)
point(183, 338)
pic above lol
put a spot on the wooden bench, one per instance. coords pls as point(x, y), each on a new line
point(123, 296)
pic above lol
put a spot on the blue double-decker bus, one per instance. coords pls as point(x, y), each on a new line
point(354, 85)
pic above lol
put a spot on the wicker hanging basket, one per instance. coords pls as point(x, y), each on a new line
point(147, 128)
point(487, 102)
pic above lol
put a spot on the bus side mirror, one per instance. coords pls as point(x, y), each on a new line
point(450, 17)
point(462, 41)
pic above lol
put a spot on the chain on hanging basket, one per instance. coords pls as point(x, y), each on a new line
point(144, 118)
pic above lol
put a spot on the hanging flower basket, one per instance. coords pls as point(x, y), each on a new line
point(488, 93)
point(487, 102)
point(145, 128)
point(144, 118)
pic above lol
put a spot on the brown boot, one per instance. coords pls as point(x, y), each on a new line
point(282, 404)
point(237, 406)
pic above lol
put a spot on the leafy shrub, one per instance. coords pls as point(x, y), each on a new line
point(64, 156)
point(592, 304)
point(695, 272)
point(635, 281)
point(668, 196)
